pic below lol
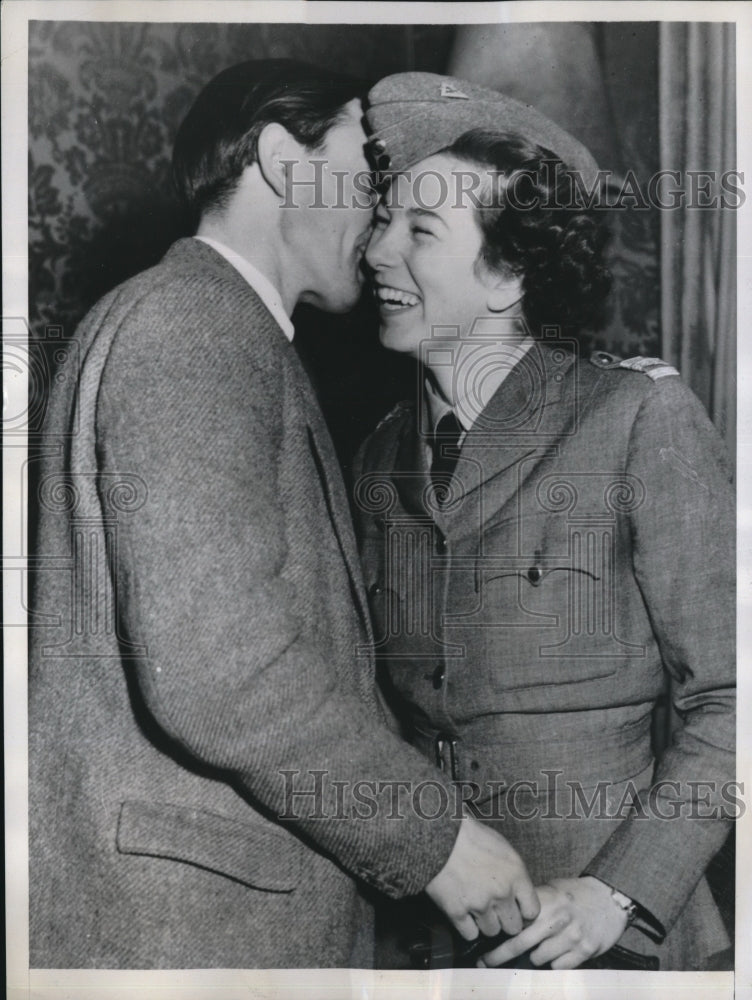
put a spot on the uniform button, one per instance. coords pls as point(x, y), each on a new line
point(441, 543)
point(535, 575)
point(375, 590)
point(438, 677)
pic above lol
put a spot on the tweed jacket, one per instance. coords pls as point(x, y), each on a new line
point(201, 653)
point(528, 626)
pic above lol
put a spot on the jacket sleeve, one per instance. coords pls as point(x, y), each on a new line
point(196, 407)
point(684, 561)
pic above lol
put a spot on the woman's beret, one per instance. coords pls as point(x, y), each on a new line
point(413, 115)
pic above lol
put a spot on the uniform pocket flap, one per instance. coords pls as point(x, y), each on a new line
point(261, 856)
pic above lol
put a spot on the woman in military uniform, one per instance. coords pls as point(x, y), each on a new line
point(547, 540)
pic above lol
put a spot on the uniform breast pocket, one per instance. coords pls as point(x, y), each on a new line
point(545, 603)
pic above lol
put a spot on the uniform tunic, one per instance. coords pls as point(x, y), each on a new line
point(583, 563)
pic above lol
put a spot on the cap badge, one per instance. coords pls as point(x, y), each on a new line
point(449, 90)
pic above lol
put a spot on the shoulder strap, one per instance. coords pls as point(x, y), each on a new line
point(654, 368)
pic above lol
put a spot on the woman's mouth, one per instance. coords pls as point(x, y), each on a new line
point(395, 299)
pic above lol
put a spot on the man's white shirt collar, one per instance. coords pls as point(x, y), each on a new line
point(258, 282)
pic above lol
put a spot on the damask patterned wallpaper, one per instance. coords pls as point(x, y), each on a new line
point(105, 101)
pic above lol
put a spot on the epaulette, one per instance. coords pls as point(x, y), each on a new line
point(398, 410)
point(654, 368)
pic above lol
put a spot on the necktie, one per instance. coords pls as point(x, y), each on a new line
point(445, 455)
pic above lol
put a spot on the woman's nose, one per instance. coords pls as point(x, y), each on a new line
point(380, 249)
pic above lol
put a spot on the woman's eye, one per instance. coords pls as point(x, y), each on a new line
point(418, 230)
point(380, 220)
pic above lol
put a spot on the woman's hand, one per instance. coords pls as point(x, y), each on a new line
point(578, 920)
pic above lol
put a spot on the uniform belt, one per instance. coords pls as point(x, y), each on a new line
point(441, 747)
point(619, 750)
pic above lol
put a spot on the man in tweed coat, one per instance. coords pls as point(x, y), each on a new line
point(200, 717)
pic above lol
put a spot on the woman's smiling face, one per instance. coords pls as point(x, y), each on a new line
point(425, 256)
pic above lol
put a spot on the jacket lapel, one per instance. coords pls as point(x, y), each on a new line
point(319, 439)
point(411, 474)
point(521, 425)
point(333, 487)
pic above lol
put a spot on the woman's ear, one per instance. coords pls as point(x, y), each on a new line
point(503, 292)
point(276, 149)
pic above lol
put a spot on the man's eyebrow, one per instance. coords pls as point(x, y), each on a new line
point(427, 213)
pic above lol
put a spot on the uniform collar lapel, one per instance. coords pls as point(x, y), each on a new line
point(411, 476)
point(522, 419)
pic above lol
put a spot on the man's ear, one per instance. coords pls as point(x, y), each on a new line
point(502, 291)
point(275, 146)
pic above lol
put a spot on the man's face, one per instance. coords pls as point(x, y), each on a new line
point(334, 215)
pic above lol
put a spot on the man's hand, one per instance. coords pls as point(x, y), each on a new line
point(484, 886)
point(578, 920)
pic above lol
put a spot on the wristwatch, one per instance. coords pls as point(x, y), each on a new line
point(625, 903)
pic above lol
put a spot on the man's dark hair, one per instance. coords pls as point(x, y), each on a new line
point(219, 137)
point(546, 233)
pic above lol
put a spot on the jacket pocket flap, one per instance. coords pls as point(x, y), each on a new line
point(260, 856)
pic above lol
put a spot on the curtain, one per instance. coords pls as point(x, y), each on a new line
point(697, 112)
point(698, 245)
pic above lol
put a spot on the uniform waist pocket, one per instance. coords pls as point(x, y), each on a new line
point(257, 853)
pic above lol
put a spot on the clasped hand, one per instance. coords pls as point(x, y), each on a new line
point(484, 887)
point(578, 920)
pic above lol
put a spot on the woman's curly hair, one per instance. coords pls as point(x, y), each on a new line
point(535, 223)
